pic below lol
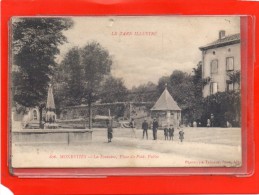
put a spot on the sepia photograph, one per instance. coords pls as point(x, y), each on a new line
point(125, 91)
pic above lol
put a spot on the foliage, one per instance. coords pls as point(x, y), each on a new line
point(82, 73)
point(196, 108)
point(69, 77)
point(144, 93)
point(113, 90)
point(225, 106)
point(96, 64)
point(180, 85)
point(234, 77)
point(35, 44)
point(186, 90)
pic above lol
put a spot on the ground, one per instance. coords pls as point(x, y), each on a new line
point(210, 147)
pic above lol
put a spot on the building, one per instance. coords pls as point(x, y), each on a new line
point(220, 60)
point(166, 110)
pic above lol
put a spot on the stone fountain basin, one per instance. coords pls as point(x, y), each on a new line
point(41, 136)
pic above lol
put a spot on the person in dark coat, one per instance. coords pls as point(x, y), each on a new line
point(145, 128)
point(171, 133)
point(166, 133)
point(155, 127)
point(109, 131)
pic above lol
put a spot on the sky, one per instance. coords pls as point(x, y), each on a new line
point(145, 48)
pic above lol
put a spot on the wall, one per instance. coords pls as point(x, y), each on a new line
point(120, 111)
point(38, 136)
point(221, 53)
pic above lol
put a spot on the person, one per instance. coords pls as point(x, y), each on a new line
point(132, 126)
point(155, 127)
point(208, 123)
point(171, 133)
point(212, 120)
point(109, 131)
point(166, 133)
point(145, 128)
point(229, 124)
point(181, 134)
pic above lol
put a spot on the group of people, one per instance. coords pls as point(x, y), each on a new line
point(168, 132)
point(154, 128)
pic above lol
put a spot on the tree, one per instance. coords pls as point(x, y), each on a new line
point(234, 77)
point(144, 93)
point(69, 76)
point(180, 86)
point(82, 74)
point(186, 90)
point(35, 44)
point(198, 82)
point(113, 90)
point(96, 64)
point(225, 106)
point(162, 82)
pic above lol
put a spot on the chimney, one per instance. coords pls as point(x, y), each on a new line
point(222, 34)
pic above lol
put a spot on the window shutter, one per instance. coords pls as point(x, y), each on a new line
point(215, 88)
point(230, 63)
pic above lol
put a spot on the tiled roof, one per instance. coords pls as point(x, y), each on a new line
point(227, 40)
point(165, 102)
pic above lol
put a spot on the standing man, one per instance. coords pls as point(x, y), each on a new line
point(171, 133)
point(155, 127)
point(109, 130)
point(132, 126)
point(145, 128)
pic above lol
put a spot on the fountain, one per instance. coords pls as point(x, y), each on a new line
point(51, 116)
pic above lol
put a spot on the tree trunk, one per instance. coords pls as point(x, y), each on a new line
point(90, 115)
point(90, 111)
point(40, 111)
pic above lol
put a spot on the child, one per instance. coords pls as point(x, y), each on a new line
point(171, 133)
point(181, 134)
point(166, 133)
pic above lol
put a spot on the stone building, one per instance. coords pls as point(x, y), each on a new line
point(220, 59)
point(166, 111)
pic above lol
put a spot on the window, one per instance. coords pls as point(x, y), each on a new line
point(230, 86)
point(213, 88)
point(230, 63)
point(214, 67)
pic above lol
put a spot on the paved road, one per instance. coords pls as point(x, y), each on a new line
point(201, 147)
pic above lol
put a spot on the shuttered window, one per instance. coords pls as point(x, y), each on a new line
point(213, 88)
point(214, 67)
point(230, 63)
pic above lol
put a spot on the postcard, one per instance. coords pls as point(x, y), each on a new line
point(125, 91)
